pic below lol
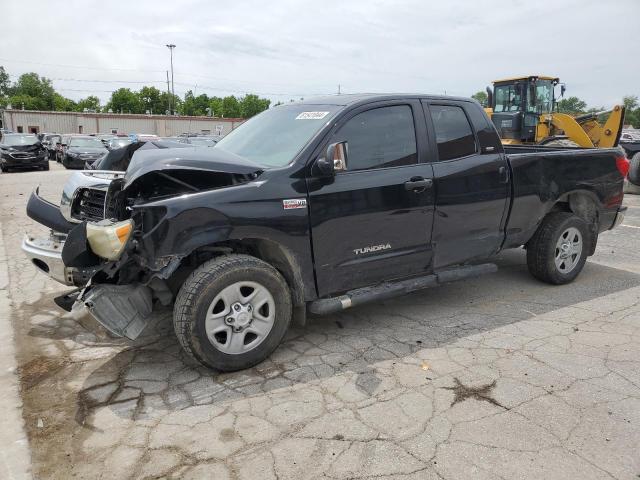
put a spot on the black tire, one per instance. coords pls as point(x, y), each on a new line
point(541, 249)
point(199, 291)
point(45, 166)
point(3, 169)
point(561, 142)
point(634, 169)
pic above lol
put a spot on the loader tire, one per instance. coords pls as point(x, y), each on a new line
point(561, 142)
point(558, 250)
point(232, 312)
point(634, 169)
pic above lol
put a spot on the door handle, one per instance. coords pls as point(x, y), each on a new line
point(418, 184)
point(504, 175)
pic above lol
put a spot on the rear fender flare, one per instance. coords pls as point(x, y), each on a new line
point(587, 206)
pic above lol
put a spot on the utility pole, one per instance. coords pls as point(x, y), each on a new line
point(171, 46)
point(338, 89)
point(168, 94)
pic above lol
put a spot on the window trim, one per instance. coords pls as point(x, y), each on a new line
point(375, 106)
point(429, 119)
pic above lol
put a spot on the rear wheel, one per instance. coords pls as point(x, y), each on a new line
point(232, 312)
point(634, 169)
point(558, 251)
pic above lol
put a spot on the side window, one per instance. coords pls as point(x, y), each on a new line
point(453, 132)
point(382, 137)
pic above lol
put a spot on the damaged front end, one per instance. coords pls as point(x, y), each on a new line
point(124, 261)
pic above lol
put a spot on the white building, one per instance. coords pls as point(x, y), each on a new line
point(29, 121)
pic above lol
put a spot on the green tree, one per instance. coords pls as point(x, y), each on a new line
point(124, 100)
point(251, 105)
point(216, 106)
point(193, 105)
point(231, 107)
point(5, 84)
point(152, 100)
point(63, 104)
point(630, 102)
point(32, 91)
point(91, 103)
point(632, 110)
point(176, 103)
point(481, 97)
point(572, 105)
point(27, 102)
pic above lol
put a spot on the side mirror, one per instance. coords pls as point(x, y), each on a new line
point(335, 159)
point(563, 88)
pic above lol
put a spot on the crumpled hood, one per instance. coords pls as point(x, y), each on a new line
point(23, 148)
point(195, 159)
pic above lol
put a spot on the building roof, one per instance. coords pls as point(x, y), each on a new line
point(125, 115)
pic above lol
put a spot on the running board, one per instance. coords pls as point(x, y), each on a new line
point(388, 290)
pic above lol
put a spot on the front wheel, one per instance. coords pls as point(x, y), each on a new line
point(232, 312)
point(558, 250)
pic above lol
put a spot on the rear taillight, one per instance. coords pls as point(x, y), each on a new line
point(623, 165)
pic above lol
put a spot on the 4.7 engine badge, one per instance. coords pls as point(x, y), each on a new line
point(294, 203)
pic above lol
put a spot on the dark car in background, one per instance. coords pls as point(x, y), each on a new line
point(20, 151)
point(50, 141)
point(82, 151)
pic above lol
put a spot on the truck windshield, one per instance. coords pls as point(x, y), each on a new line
point(274, 137)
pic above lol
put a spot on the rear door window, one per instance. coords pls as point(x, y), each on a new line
point(454, 134)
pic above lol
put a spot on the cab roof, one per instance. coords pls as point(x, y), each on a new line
point(350, 99)
point(527, 77)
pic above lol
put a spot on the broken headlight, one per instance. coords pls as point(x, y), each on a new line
point(107, 239)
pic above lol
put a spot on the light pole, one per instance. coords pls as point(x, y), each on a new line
point(171, 46)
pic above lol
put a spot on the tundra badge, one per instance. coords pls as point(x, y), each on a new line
point(372, 248)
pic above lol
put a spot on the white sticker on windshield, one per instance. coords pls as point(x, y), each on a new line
point(312, 115)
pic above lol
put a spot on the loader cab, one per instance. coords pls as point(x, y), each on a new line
point(517, 104)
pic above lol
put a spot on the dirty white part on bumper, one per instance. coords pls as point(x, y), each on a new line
point(46, 255)
point(124, 310)
point(619, 217)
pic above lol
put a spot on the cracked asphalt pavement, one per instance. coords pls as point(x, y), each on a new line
point(498, 377)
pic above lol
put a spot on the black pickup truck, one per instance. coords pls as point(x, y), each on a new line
point(320, 206)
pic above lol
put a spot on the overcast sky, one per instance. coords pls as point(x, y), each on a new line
point(286, 49)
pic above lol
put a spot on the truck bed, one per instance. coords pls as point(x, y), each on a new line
point(542, 176)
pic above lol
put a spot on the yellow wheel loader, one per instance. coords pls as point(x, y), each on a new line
point(523, 111)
